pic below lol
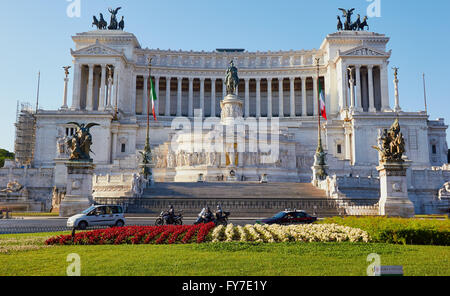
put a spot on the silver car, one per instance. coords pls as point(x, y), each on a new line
point(98, 216)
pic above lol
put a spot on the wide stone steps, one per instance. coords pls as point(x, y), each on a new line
point(243, 199)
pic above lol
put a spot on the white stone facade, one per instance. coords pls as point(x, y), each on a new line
point(111, 78)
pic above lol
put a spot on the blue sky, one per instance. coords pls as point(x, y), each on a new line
point(37, 36)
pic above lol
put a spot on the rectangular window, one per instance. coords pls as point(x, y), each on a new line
point(123, 148)
point(339, 149)
point(434, 148)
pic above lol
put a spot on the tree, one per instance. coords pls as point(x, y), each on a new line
point(5, 154)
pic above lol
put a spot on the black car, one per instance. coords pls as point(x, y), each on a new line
point(289, 217)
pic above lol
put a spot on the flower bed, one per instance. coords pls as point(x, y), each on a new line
point(209, 233)
point(400, 231)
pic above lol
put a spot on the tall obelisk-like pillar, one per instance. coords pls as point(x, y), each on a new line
point(397, 107)
point(66, 83)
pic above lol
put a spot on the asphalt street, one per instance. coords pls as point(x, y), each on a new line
point(53, 224)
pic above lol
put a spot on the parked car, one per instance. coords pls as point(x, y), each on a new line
point(98, 216)
point(290, 217)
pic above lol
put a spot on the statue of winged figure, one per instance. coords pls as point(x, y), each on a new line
point(347, 14)
point(231, 79)
point(66, 70)
point(113, 24)
point(80, 143)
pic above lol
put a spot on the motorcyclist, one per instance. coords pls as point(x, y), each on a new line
point(219, 212)
point(200, 216)
point(208, 215)
point(170, 215)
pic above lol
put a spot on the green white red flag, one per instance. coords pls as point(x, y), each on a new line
point(153, 98)
point(323, 110)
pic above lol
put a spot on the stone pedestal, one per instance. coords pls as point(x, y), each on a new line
point(231, 109)
point(394, 201)
point(79, 188)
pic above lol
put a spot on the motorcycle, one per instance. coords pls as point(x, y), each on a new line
point(162, 219)
point(207, 218)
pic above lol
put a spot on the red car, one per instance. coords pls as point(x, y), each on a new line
point(289, 217)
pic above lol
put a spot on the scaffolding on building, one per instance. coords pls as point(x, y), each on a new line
point(25, 137)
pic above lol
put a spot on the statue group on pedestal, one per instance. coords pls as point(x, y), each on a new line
point(113, 25)
point(392, 144)
point(80, 143)
point(348, 25)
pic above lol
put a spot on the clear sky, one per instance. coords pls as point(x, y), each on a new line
point(37, 36)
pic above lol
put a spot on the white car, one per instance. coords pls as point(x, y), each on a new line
point(98, 216)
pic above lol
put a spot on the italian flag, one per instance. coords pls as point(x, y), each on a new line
point(323, 110)
point(153, 98)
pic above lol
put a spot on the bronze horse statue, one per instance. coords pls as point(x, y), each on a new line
point(100, 24)
point(113, 25)
point(340, 27)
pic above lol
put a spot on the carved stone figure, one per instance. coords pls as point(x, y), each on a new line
point(13, 187)
point(58, 195)
point(231, 79)
point(392, 144)
point(444, 192)
point(80, 144)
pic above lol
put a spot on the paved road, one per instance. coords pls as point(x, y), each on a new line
point(36, 225)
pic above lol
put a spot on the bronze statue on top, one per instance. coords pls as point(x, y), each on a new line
point(80, 143)
point(231, 79)
point(392, 146)
point(349, 25)
point(114, 24)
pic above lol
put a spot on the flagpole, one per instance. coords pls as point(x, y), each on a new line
point(425, 94)
point(318, 103)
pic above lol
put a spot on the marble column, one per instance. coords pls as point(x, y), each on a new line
point(371, 90)
point(397, 107)
point(292, 96)
point(258, 97)
point(304, 104)
point(202, 95)
point(167, 109)
point(269, 97)
point(76, 87)
point(213, 97)
point(90, 89)
point(385, 104)
point(315, 96)
point(191, 97)
point(110, 85)
point(66, 82)
point(352, 90)
point(358, 105)
point(116, 87)
point(247, 97)
point(157, 94)
point(145, 95)
point(344, 102)
point(280, 97)
point(179, 95)
point(102, 100)
point(133, 93)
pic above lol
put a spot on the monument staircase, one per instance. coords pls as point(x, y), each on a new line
point(242, 199)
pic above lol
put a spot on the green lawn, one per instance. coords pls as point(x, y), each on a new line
point(22, 255)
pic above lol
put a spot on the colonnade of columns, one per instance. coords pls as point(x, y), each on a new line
point(204, 93)
point(367, 89)
point(95, 87)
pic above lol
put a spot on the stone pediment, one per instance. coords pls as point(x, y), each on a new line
point(96, 49)
point(364, 51)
